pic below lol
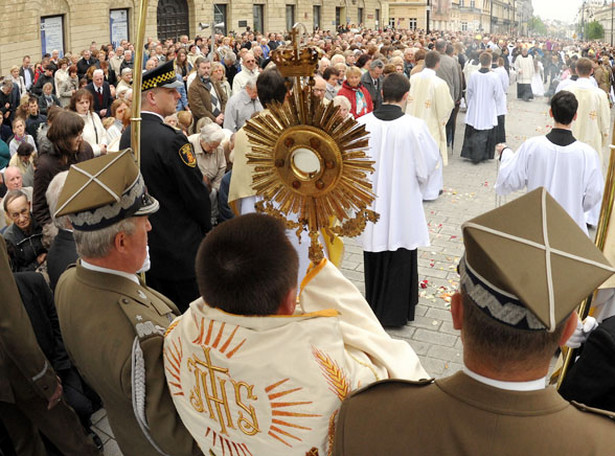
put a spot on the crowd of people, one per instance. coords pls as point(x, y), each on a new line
point(197, 358)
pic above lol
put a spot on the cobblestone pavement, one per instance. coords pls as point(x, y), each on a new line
point(468, 192)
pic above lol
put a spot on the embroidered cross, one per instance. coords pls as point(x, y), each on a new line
point(593, 115)
point(427, 104)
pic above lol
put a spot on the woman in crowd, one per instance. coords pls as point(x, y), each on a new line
point(68, 86)
point(182, 66)
point(18, 80)
point(67, 148)
point(94, 132)
point(20, 136)
point(358, 96)
point(109, 74)
point(61, 73)
point(47, 99)
point(218, 74)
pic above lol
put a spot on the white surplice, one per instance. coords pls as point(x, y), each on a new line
point(505, 81)
point(525, 69)
point(484, 95)
point(406, 156)
point(430, 99)
point(593, 121)
point(571, 174)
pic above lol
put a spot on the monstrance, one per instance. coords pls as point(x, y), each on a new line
point(310, 165)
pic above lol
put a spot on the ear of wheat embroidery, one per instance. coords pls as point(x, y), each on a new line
point(335, 376)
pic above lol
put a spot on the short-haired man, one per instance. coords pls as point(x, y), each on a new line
point(484, 97)
point(450, 71)
point(268, 370)
point(524, 64)
point(593, 122)
point(242, 106)
point(101, 93)
point(406, 156)
point(24, 235)
point(26, 72)
point(114, 337)
point(170, 169)
point(35, 118)
point(526, 267)
point(569, 169)
point(84, 64)
point(206, 97)
point(249, 69)
point(372, 81)
point(430, 100)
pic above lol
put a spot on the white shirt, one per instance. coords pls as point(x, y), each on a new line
point(126, 275)
point(532, 385)
point(571, 174)
point(406, 155)
point(484, 95)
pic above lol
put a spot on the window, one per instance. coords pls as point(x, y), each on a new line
point(360, 16)
point(377, 17)
point(472, 3)
point(290, 17)
point(338, 16)
point(464, 26)
point(52, 34)
point(461, 3)
point(258, 12)
point(392, 22)
point(220, 17)
point(316, 14)
point(412, 23)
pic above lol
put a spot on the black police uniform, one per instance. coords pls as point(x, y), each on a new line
point(171, 174)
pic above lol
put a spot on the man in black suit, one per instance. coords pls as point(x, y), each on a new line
point(101, 92)
point(26, 72)
point(85, 62)
point(372, 80)
point(169, 166)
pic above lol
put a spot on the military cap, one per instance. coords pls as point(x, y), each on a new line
point(103, 191)
point(161, 76)
point(528, 264)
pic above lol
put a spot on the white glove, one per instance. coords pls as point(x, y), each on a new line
point(580, 335)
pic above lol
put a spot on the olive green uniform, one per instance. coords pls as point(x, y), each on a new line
point(102, 317)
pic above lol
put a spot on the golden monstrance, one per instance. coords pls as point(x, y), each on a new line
point(310, 165)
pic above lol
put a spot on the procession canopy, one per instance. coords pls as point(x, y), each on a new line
point(309, 164)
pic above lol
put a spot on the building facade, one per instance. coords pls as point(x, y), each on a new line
point(39, 26)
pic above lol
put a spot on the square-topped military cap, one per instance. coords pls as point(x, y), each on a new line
point(528, 264)
point(103, 191)
point(161, 76)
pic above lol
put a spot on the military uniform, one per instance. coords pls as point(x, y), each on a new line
point(100, 333)
point(169, 166)
point(461, 416)
point(27, 382)
point(113, 325)
point(526, 267)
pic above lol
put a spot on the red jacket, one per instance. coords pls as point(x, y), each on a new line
point(351, 94)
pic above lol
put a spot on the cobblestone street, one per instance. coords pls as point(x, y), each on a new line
point(468, 192)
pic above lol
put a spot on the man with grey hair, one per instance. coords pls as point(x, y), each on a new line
point(249, 69)
point(211, 161)
point(101, 93)
point(125, 82)
point(372, 80)
point(450, 71)
point(117, 59)
point(115, 336)
point(242, 106)
point(63, 251)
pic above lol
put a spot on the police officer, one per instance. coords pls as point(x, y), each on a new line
point(170, 170)
point(112, 324)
